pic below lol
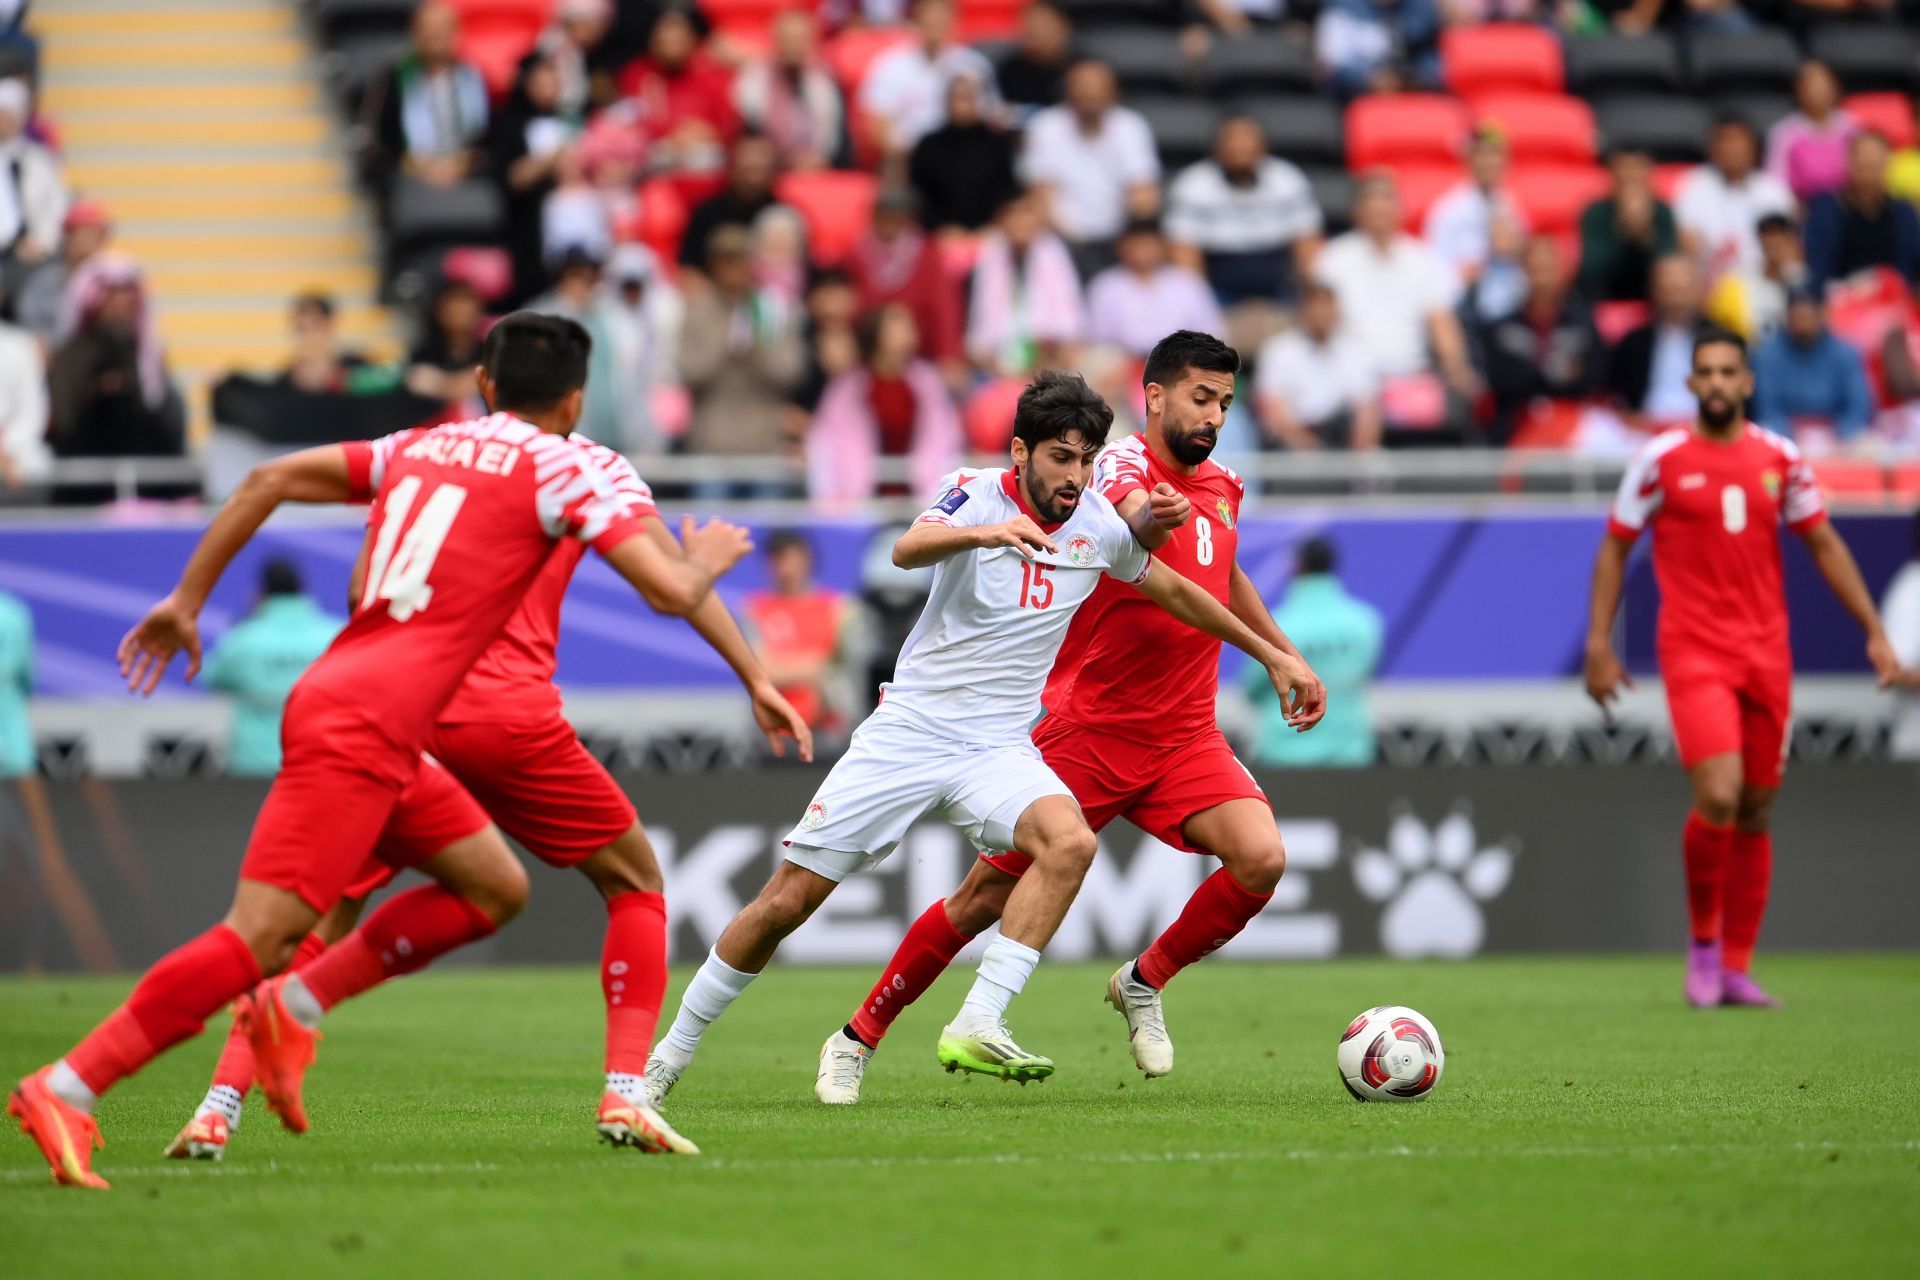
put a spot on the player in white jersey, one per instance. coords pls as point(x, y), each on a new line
point(1016, 553)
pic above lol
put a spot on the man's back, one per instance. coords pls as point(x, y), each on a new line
point(1339, 636)
point(257, 664)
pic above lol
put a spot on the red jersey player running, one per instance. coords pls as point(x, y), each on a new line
point(504, 739)
point(466, 517)
point(1129, 724)
point(1716, 494)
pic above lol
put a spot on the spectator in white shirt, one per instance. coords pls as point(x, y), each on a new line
point(1244, 218)
point(1143, 298)
point(1460, 224)
point(905, 93)
point(1093, 164)
point(1901, 610)
point(1396, 299)
point(1720, 204)
point(1313, 386)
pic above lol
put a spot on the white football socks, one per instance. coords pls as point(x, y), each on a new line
point(1003, 971)
point(717, 985)
point(67, 1086)
point(300, 1002)
point(226, 1100)
point(630, 1087)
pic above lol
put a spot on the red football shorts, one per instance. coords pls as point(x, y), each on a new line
point(434, 812)
point(1721, 704)
point(539, 784)
point(1155, 788)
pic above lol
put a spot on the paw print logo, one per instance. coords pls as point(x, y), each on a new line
point(1433, 881)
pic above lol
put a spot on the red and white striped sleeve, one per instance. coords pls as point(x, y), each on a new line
point(1801, 503)
point(367, 461)
point(1121, 468)
point(574, 497)
point(1640, 490)
point(621, 474)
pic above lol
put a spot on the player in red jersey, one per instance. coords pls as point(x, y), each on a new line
point(1716, 494)
point(465, 517)
point(1129, 724)
point(503, 738)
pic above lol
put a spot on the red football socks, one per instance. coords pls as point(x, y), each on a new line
point(1749, 873)
point(1218, 910)
point(1707, 850)
point(633, 977)
point(408, 933)
point(234, 1070)
point(923, 955)
point(169, 1004)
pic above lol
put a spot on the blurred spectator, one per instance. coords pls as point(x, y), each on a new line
point(894, 405)
point(1861, 226)
point(1034, 73)
point(108, 382)
point(531, 136)
point(1026, 312)
point(1752, 303)
point(832, 347)
point(17, 755)
point(905, 92)
point(1900, 608)
point(24, 456)
point(578, 215)
point(898, 262)
point(1720, 204)
point(741, 359)
point(1093, 163)
point(1313, 386)
point(612, 388)
point(1808, 149)
point(1378, 46)
point(1143, 298)
point(1459, 226)
point(1903, 169)
point(1546, 349)
point(428, 118)
point(1500, 282)
point(1339, 635)
point(791, 99)
point(1396, 299)
point(576, 44)
point(803, 633)
point(751, 170)
point(964, 169)
point(257, 662)
point(1622, 235)
point(1245, 218)
point(1647, 373)
point(318, 363)
point(680, 99)
point(1805, 377)
point(33, 199)
point(42, 300)
point(441, 364)
point(780, 254)
point(646, 342)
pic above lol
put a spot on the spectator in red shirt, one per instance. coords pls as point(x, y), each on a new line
point(681, 99)
point(800, 630)
point(898, 262)
point(893, 405)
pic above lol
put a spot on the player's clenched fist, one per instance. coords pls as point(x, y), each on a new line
point(1020, 533)
point(716, 544)
point(1302, 696)
point(1168, 506)
point(1605, 676)
point(145, 651)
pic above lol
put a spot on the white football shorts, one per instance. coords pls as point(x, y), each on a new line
point(894, 774)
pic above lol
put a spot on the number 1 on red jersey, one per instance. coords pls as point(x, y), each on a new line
point(401, 578)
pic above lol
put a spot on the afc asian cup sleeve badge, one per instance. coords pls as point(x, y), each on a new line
point(814, 818)
point(1224, 511)
point(1080, 550)
point(1770, 481)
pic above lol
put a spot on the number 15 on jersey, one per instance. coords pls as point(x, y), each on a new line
point(1036, 585)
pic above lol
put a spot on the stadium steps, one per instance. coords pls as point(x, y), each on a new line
point(203, 127)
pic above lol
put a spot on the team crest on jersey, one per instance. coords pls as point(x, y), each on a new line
point(1080, 550)
point(815, 817)
point(1770, 481)
point(1226, 512)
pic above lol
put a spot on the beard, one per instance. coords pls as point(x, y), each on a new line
point(1719, 413)
point(1191, 448)
point(1047, 505)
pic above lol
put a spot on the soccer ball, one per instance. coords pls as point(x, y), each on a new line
point(1391, 1054)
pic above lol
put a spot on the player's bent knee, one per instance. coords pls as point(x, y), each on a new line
point(627, 865)
point(1755, 812)
point(502, 894)
point(1260, 866)
point(1067, 851)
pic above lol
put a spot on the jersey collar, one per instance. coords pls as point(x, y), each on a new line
point(1010, 482)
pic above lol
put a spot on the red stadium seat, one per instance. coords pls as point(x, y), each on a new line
point(1904, 480)
point(1554, 196)
point(1538, 126)
point(743, 13)
point(989, 19)
point(1420, 185)
point(1667, 179)
point(661, 222)
point(1615, 320)
point(1887, 113)
point(495, 39)
point(1499, 56)
point(1405, 128)
point(488, 270)
point(852, 54)
point(1854, 477)
point(837, 204)
point(522, 11)
point(989, 415)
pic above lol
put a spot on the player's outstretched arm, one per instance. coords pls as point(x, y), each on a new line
point(1154, 514)
point(1604, 674)
point(172, 626)
point(1243, 599)
point(1302, 695)
point(929, 542)
point(716, 625)
point(676, 584)
point(1837, 566)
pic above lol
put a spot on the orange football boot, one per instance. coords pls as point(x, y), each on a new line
point(204, 1138)
point(65, 1134)
point(634, 1124)
point(282, 1052)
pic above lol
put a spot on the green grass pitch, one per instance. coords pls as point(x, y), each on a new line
point(1588, 1125)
